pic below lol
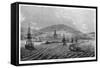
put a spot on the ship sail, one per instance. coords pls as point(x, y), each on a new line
point(29, 44)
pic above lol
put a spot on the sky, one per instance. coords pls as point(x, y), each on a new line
point(82, 19)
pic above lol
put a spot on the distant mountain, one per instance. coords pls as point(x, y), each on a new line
point(49, 29)
point(91, 33)
point(59, 27)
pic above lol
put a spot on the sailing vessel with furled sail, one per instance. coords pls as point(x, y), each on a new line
point(29, 44)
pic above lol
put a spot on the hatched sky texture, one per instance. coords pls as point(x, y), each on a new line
point(83, 19)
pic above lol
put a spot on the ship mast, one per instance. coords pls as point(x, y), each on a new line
point(55, 34)
point(29, 44)
point(29, 33)
point(64, 40)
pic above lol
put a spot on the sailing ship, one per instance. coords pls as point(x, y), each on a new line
point(29, 44)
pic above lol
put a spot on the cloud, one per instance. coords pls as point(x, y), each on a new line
point(21, 17)
point(36, 28)
point(74, 23)
point(84, 28)
point(33, 23)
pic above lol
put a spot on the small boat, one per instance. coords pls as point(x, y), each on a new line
point(75, 48)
